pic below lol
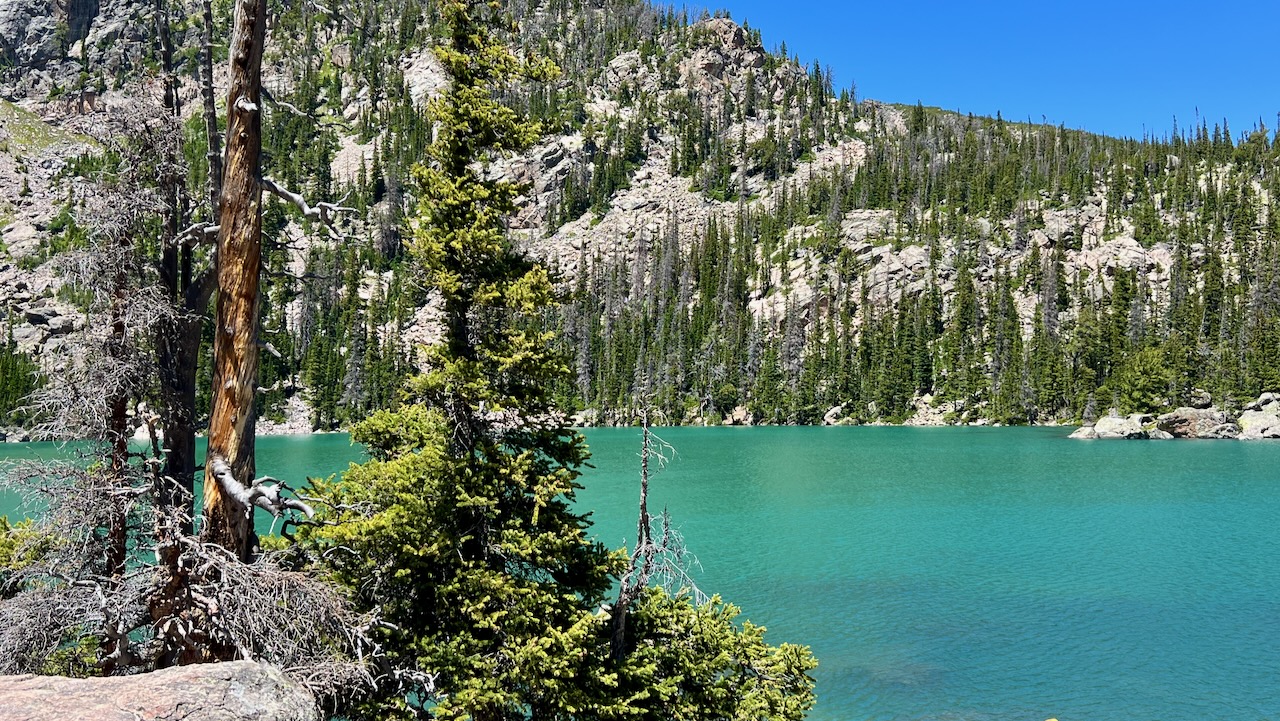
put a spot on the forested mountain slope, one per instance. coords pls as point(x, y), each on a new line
point(737, 238)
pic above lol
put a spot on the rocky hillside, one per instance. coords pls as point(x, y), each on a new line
point(739, 241)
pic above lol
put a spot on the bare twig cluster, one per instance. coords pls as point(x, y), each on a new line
point(180, 600)
point(660, 557)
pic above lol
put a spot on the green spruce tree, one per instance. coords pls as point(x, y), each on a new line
point(459, 535)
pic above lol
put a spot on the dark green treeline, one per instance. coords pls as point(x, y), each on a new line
point(676, 328)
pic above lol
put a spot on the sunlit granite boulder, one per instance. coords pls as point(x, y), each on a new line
point(1195, 423)
point(1126, 427)
point(234, 691)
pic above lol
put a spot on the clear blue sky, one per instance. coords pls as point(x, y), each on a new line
point(1119, 68)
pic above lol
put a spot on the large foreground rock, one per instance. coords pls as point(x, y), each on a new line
point(234, 691)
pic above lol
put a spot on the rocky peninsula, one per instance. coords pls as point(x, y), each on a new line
point(1257, 420)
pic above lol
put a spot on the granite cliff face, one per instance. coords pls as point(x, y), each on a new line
point(710, 86)
point(46, 45)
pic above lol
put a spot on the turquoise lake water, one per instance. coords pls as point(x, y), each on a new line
point(969, 573)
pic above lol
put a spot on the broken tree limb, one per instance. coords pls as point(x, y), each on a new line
point(197, 234)
point(323, 212)
point(262, 492)
point(280, 103)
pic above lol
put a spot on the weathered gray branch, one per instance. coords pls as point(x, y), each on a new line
point(263, 492)
point(280, 103)
point(323, 212)
point(198, 234)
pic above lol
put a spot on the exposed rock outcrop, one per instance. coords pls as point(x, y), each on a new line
point(927, 414)
point(1258, 424)
point(47, 44)
point(234, 691)
point(1259, 420)
point(1130, 427)
point(1194, 423)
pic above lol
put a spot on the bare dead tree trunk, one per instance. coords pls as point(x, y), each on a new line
point(642, 558)
point(179, 346)
point(118, 436)
point(178, 338)
point(227, 520)
point(171, 99)
point(214, 154)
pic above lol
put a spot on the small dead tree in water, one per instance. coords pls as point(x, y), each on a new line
point(663, 560)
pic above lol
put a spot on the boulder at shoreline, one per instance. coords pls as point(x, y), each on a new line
point(1129, 428)
point(1188, 422)
point(1259, 420)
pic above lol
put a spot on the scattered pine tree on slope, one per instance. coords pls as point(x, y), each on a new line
point(19, 376)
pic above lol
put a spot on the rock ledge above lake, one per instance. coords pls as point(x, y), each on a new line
point(233, 691)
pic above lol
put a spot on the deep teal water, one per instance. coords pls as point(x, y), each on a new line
point(966, 573)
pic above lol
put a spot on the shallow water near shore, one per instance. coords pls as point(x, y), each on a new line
point(966, 573)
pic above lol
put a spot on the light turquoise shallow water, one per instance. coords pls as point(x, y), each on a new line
point(961, 573)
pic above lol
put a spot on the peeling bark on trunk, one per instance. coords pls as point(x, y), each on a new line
point(227, 521)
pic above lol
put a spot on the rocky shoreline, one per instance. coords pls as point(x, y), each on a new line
point(294, 421)
point(1258, 420)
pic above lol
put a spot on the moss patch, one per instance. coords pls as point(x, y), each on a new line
point(28, 133)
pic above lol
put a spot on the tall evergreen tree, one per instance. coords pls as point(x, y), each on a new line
point(460, 534)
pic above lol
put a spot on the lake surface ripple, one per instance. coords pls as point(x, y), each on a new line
point(965, 573)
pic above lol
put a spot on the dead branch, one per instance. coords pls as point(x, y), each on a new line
point(280, 103)
point(176, 605)
point(198, 234)
point(323, 212)
point(35, 623)
point(263, 492)
point(664, 562)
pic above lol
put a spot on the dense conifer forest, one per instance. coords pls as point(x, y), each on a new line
point(805, 254)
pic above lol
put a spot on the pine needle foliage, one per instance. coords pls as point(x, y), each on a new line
point(459, 535)
point(461, 531)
